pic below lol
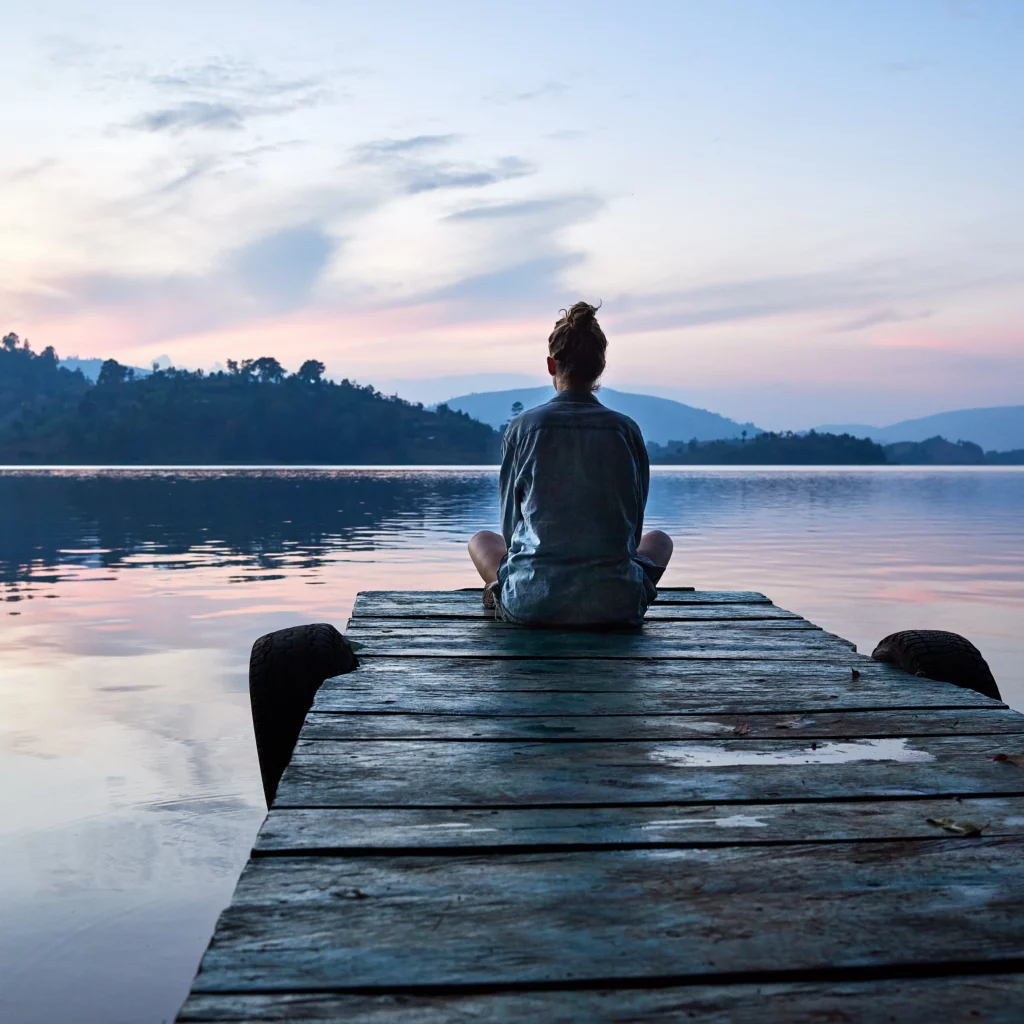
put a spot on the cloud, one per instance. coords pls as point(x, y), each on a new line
point(429, 177)
point(875, 287)
point(550, 89)
point(528, 282)
point(272, 274)
point(193, 114)
point(559, 208)
point(415, 175)
point(31, 171)
point(199, 168)
point(222, 96)
point(371, 151)
point(281, 268)
point(238, 78)
point(883, 316)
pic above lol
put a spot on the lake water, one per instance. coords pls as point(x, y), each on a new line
point(131, 793)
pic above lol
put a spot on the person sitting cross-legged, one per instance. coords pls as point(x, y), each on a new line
point(574, 482)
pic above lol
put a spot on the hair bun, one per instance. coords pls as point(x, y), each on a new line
point(579, 314)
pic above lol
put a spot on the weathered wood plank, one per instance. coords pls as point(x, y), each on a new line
point(325, 773)
point(994, 999)
point(613, 728)
point(369, 626)
point(355, 830)
point(463, 605)
point(416, 602)
point(382, 923)
point(520, 687)
point(657, 640)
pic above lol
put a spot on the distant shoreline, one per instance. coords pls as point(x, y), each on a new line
point(493, 468)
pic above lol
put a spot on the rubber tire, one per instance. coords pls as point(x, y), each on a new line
point(286, 669)
point(934, 654)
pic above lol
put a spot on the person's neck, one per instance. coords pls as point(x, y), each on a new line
point(565, 384)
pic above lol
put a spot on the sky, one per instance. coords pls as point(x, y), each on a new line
point(792, 212)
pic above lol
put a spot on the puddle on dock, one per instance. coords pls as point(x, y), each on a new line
point(730, 821)
point(690, 756)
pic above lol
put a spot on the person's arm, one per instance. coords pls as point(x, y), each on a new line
point(510, 514)
point(643, 472)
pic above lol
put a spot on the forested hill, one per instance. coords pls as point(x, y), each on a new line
point(30, 380)
point(255, 413)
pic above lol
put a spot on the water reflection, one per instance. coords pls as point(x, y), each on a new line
point(52, 524)
point(131, 600)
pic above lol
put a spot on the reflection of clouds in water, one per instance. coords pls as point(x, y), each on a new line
point(105, 917)
point(209, 519)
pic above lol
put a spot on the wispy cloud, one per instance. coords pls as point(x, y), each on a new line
point(429, 177)
point(199, 168)
point(372, 151)
point(193, 114)
point(239, 78)
point(528, 283)
point(548, 90)
point(415, 174)
point(223, 95)
point(557, 207)
point(875, 287)
point(883, 316)
point(566, 135)
point(31, 171)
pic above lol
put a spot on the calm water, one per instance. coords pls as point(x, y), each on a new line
point(131, 793)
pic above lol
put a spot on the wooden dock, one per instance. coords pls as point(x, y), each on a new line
point(728, 815)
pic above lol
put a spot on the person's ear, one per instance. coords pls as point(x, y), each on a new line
point(552, 369)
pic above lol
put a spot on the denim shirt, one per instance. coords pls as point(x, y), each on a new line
point(574, 482)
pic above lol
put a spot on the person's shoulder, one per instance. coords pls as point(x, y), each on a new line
point(629, 425)
point(532, 418)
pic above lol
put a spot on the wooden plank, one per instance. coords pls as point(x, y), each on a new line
point(382, 923)
point(657, 640)
point(401, 603)
point(355, 830)
point(325, 773)
point(994, 999)
point(462, 605)
point(710, 619)
point(521, 687)
point(614, 728)
point(368, 626)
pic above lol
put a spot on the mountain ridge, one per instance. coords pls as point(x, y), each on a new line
point(660, 419)
point(995, 428)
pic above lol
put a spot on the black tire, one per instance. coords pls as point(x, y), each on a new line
point(286, 669)
point(934, 654)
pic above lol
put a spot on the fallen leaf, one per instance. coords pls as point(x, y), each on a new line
point(1017, 759)
point(742, 729)
point(960, 828)
point(855, 673)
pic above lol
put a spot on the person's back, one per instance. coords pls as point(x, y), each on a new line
point(574, 482)
point(573, 488)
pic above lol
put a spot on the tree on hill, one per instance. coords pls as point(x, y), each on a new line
point(255, 413)
point(810, 449)
point(31, 383)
